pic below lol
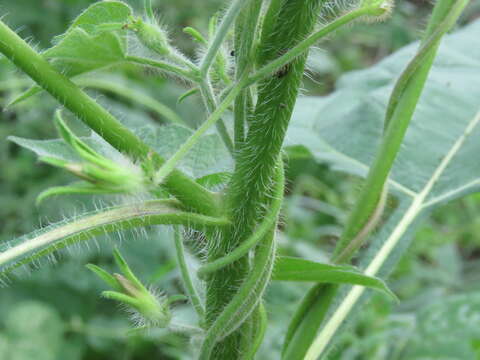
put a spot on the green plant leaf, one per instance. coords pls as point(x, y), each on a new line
point(209, 160)
point(296, 269)
point(103, 12)
point(58, 149)
point(208, 156)
point(83, 48)
point(28, 327)
point(324, 125)
point(448, 328)
point(437, 162)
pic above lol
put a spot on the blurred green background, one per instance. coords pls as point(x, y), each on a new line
point(56, 313)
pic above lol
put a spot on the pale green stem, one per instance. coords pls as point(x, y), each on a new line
point(164, 66)
point(222, 32)
point(30, 248)
point(187, 280)
point(171, 163)
point(149, 10)
point(399, 114)
point(175, 57)
point(304, 45)
point(211, 104)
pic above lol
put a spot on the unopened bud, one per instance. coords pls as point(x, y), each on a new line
point(152, 36)
point(150, 308)
point(378, 9)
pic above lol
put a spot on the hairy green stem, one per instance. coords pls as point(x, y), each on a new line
point(185, 272)
point(136, 97)
point(304, 45)
point(211, 105)
point(173, 161)
point(256, 161)
point(245, 300)
point(220, 35)
point(164, 66)
point(268, 221)
point(32, 247)
point(99, 119)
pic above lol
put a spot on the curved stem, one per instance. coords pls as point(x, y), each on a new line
point(400, 111)
point(304, 45)
point(221, 34)
point(32, 247)
point(164, 66)
point(259, 233)
point(211, 104)
point(171, 163)
point(250, 293)
point(246, 299)
point(187, 280)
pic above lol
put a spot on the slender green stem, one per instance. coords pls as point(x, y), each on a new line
point(246, 30)
point(317, 303)
point(187, 280)
point(429, 43)
point(99, 119)
point(304, 45)
point(399, 113)
point(137, 97)
point(259, 333)
point(220, 35)
point(32, 247)
point(149, 10)
point(211, 104)
point(180, 59)
point(164, 66)
point(171, 163)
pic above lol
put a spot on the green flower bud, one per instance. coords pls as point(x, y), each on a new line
point(147, 307)
point(152, 36)
point(102, 173)
point(378, 9)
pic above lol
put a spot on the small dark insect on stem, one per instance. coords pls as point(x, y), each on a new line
point(283, 71)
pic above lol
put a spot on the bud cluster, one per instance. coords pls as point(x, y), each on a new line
point(154, 310)
point(100, 173)
point(151, 35)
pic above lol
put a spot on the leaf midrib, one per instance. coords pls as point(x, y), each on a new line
point(417, 206)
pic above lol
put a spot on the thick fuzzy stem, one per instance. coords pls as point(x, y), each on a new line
point(257, 157)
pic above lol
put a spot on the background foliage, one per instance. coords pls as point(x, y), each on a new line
point(59, 305)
